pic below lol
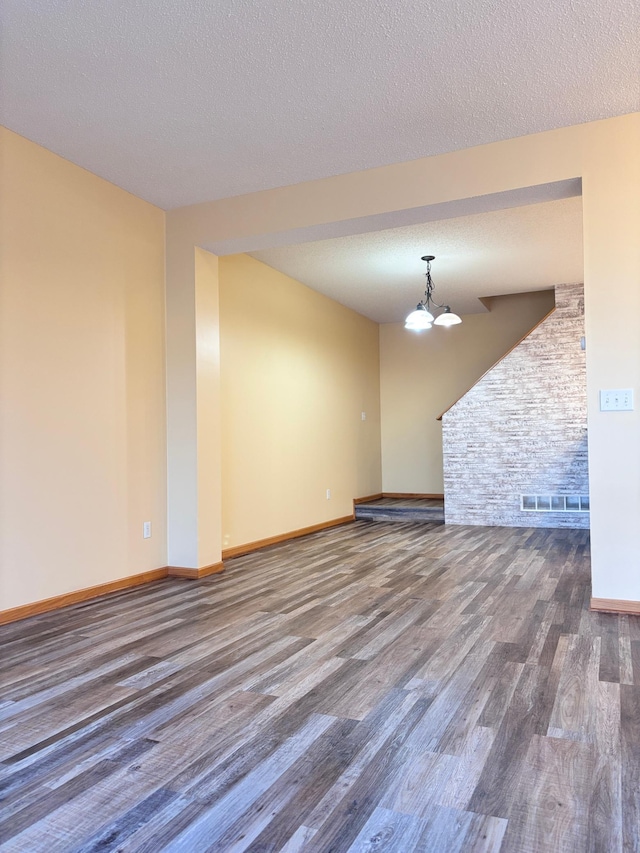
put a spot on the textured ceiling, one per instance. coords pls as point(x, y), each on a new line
point(380, 274)
point(181, 102)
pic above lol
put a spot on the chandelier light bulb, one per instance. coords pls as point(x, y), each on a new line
point(419, 319)
point(447, 318)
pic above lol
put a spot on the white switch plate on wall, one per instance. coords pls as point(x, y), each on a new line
point(146, 530)
point(616, 400)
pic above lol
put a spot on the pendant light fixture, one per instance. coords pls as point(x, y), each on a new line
point(423, 317)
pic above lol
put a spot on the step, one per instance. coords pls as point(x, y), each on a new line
point(378, 512)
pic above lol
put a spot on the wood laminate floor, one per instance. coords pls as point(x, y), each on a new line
point(375, 687)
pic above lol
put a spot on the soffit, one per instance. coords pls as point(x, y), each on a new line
point(380, 275)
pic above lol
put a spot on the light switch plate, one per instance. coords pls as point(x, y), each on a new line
point(616, 400)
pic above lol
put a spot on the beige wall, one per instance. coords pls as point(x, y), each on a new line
point(297, 371)
point(82, 387)
point(421, 374)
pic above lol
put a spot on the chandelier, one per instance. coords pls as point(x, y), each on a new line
point(423, 317)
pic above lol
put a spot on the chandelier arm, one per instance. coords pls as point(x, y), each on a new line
point(430, 288)
point(427, 304)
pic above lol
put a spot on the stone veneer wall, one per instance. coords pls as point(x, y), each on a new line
point(522, 428)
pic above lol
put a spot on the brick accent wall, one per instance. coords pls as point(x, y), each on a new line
point(522, 429)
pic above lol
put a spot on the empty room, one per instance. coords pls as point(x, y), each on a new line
point(319, 441)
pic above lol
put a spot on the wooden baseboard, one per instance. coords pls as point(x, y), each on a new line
point(367, 499)
point(194, 574)
point(616, 605)
point(240, 550)
point(67, 598)
point(412, 495)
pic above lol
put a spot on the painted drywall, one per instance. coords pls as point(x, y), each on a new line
point(193, 415)
point(522, 429)
point(82, 378)
point(611, 223)
point(208, 410)
point(297, 371)
point(423, 373)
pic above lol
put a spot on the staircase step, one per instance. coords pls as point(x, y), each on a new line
point(377, 512)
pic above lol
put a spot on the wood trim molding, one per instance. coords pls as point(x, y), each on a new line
point(412, 495)
point(367, 499)
point(194, 574)
point(502, 357)
point(616, 605)
point(67, 598)
point(240, 550)
point(78, 595)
